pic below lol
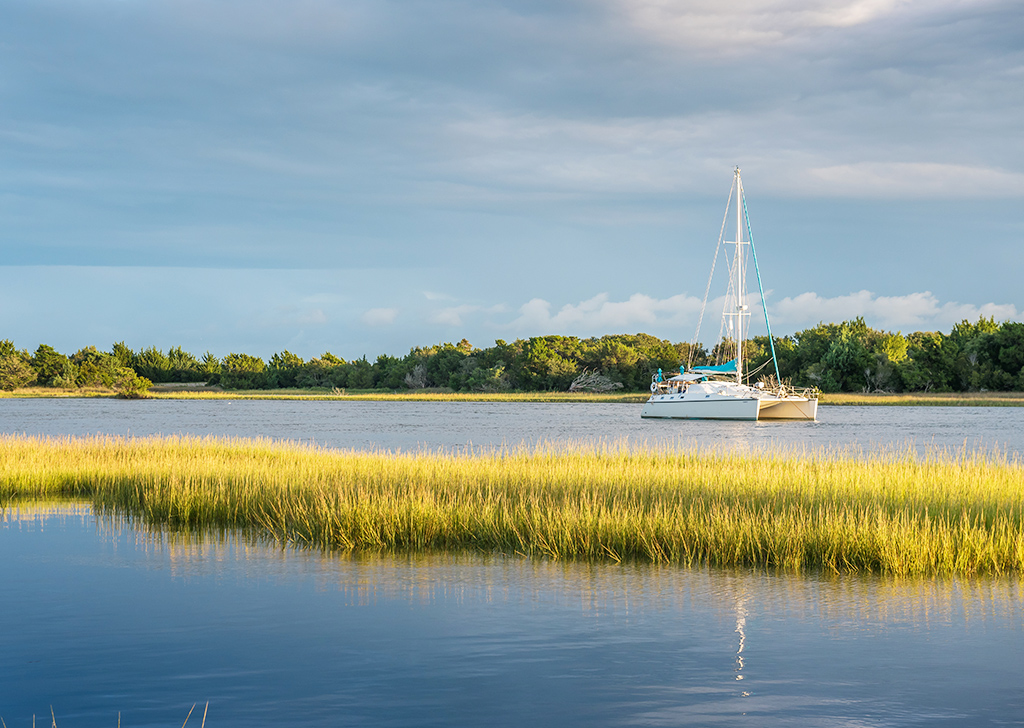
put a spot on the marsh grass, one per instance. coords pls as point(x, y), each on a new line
point(891, 512)
point(935, 399)
point(53, 717)
point(171, 391)
point(369, 395)
point(405, 396)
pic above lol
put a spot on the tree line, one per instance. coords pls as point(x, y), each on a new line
point(845, 357)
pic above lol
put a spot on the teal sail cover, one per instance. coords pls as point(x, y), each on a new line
point(728, 368)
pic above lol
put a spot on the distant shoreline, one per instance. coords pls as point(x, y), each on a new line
point(193, 391)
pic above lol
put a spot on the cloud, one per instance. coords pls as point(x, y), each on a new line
point(911, 312)
point(920, 180)
point(745, 27)
point(457, 315)
point(501, 150)
point(600, 314)
point(453, 315)
point(679, 314)
point(379, 316)
point(289, 316)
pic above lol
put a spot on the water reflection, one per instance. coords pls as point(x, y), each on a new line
point(111, 616)
point(741, 625)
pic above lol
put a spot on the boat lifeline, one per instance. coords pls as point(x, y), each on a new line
point(723, 392)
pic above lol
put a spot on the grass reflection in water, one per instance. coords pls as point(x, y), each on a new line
point(891, 512)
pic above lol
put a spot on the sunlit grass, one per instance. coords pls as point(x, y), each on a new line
point(364, 395)
point(960, 399)
point(947, 399)
point(373, 395)
point(892, 512)
point(57, 392)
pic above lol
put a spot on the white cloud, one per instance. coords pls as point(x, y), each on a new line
point(920, 179)
point(745, 26)
point(531, 156)
point(456, 315)
point(599, 314)
point(676, 317)
point(380, 316)
point(912, 312)
point(452, 316)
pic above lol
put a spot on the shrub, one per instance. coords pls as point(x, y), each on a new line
point(130, 385)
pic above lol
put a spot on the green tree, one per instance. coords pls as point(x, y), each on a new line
point(52, 368)
point(323, 371)
point(389, 372)
point(889, 351)
point(210, 369)
point(929, 363)
point(154, 365)
point(1001, 357)
point(183, 366)
point(243, 371)
point(15, 367)
point(546, 363)
point(125, 357)
point(487, 379)
point(359, 374)
point(445, 361)
point(972, 368)
point(845, 363)
point(285, 368)
point(94, 368)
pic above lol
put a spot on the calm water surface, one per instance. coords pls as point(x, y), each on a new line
point(100, 617)
point(415, 425)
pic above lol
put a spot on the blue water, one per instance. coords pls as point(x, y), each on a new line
point(102, 618)
point(430, 425)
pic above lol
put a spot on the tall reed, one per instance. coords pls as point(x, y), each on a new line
point(891, 512)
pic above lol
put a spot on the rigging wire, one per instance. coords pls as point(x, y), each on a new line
point(760, 288)
point(714, 261)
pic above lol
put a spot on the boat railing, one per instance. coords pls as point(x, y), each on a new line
point(666, 386)
point(662, 387)
point(805, 392)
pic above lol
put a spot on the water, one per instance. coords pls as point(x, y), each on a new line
point(101, 618)
point(416, 425)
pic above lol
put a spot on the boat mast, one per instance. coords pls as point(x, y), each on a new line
point(738, 264)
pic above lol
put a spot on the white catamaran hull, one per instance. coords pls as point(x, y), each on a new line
point(718, 407)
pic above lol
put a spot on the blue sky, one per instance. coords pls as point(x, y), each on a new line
point(365, 177)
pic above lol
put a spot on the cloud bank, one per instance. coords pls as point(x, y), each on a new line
point(517, 157)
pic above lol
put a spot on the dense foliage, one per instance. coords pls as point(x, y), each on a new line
point(846, 357)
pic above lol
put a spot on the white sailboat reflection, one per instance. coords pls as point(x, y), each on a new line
point(741, 630)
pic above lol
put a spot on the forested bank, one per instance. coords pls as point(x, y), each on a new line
point(845, 357)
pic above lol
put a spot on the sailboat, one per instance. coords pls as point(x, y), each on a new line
point(723, 391)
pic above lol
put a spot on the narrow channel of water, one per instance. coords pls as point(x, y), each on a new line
point(102, 618)
point(416, 425)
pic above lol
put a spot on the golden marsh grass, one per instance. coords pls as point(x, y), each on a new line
point(891, 512)
point(168, 391)
point(370, 395)
point(934, 399)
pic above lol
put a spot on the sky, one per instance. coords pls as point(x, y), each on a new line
point(369, 176)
